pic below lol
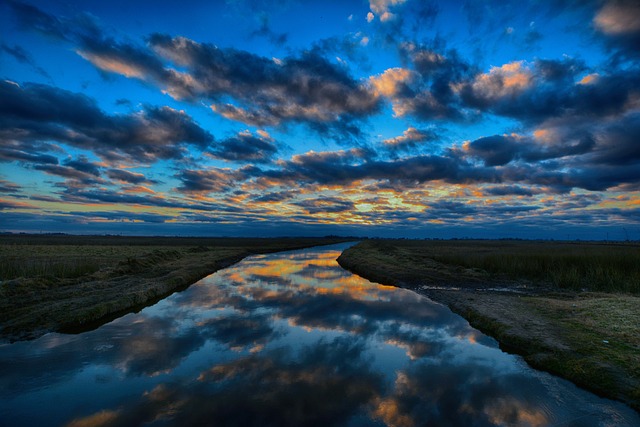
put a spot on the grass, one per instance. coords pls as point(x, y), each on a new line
point(576, 266)
point(602, 331)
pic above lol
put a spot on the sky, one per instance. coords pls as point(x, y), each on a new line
point(386, 118)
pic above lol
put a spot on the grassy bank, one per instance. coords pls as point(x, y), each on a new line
point(67, 283)
point(568, 308)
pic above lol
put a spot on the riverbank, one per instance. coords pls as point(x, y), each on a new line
point(75, 283)
point(590, 338)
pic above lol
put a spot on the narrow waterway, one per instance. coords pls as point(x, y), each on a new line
point(287, 339)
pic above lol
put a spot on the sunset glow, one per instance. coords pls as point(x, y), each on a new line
point(382, 118)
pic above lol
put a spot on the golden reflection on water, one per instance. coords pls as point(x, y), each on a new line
point(294, 339)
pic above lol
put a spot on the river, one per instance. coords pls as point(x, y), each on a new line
point(287, 339)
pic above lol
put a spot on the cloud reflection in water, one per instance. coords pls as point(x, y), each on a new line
point(289, 339)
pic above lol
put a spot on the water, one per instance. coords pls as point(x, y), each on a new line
point(287, 339)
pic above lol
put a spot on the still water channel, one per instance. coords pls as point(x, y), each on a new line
point(287, 339)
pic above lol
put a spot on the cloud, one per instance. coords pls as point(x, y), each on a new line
point(348, 167)
point(303, 88)
point(9, 187)
point(409, 140)
point(129, 177)
point(22, 56)
point(212, 180)
point(10, 204)
point(307, 87)
point(37, 113)
point(387, 84)
point(325, 205)
point(618, 21)
point(244, 147)
point(152, 218)
point(79, 169)
point(278, 39)
point(618, 17)
point(549, 89)
point(509, 80)
point(382, 9)
point(427, 91)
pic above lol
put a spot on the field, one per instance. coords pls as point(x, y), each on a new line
point(567, 307)
point(73, 283)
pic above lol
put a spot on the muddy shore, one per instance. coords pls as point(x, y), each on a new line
point(589, 338)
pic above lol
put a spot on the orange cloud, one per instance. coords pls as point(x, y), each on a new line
point(618, 18)
point(114, 65)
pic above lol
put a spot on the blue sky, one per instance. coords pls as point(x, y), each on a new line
point(382, 118)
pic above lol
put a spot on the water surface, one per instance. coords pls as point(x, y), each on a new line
point(287, 339)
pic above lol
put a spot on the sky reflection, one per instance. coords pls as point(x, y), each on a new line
point(287, 339)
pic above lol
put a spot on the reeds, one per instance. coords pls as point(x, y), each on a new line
point(605, 268)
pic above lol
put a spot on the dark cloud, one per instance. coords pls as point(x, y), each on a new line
point(495, 150)
point(69, 173)
point(278, 39)
point(36, 113)
point(84, 165)
point(23, 151)
point(275, 196)
point(9, 187)
point(510, 190)
point(346, 167)
point(9, 204)
point(325, 205)
point(31, 18)
point(618, 144)
point(22, 56)
point(303, 88)
point(213, 180)
point(244, 147)
point(79, 169)
point(128, 176)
